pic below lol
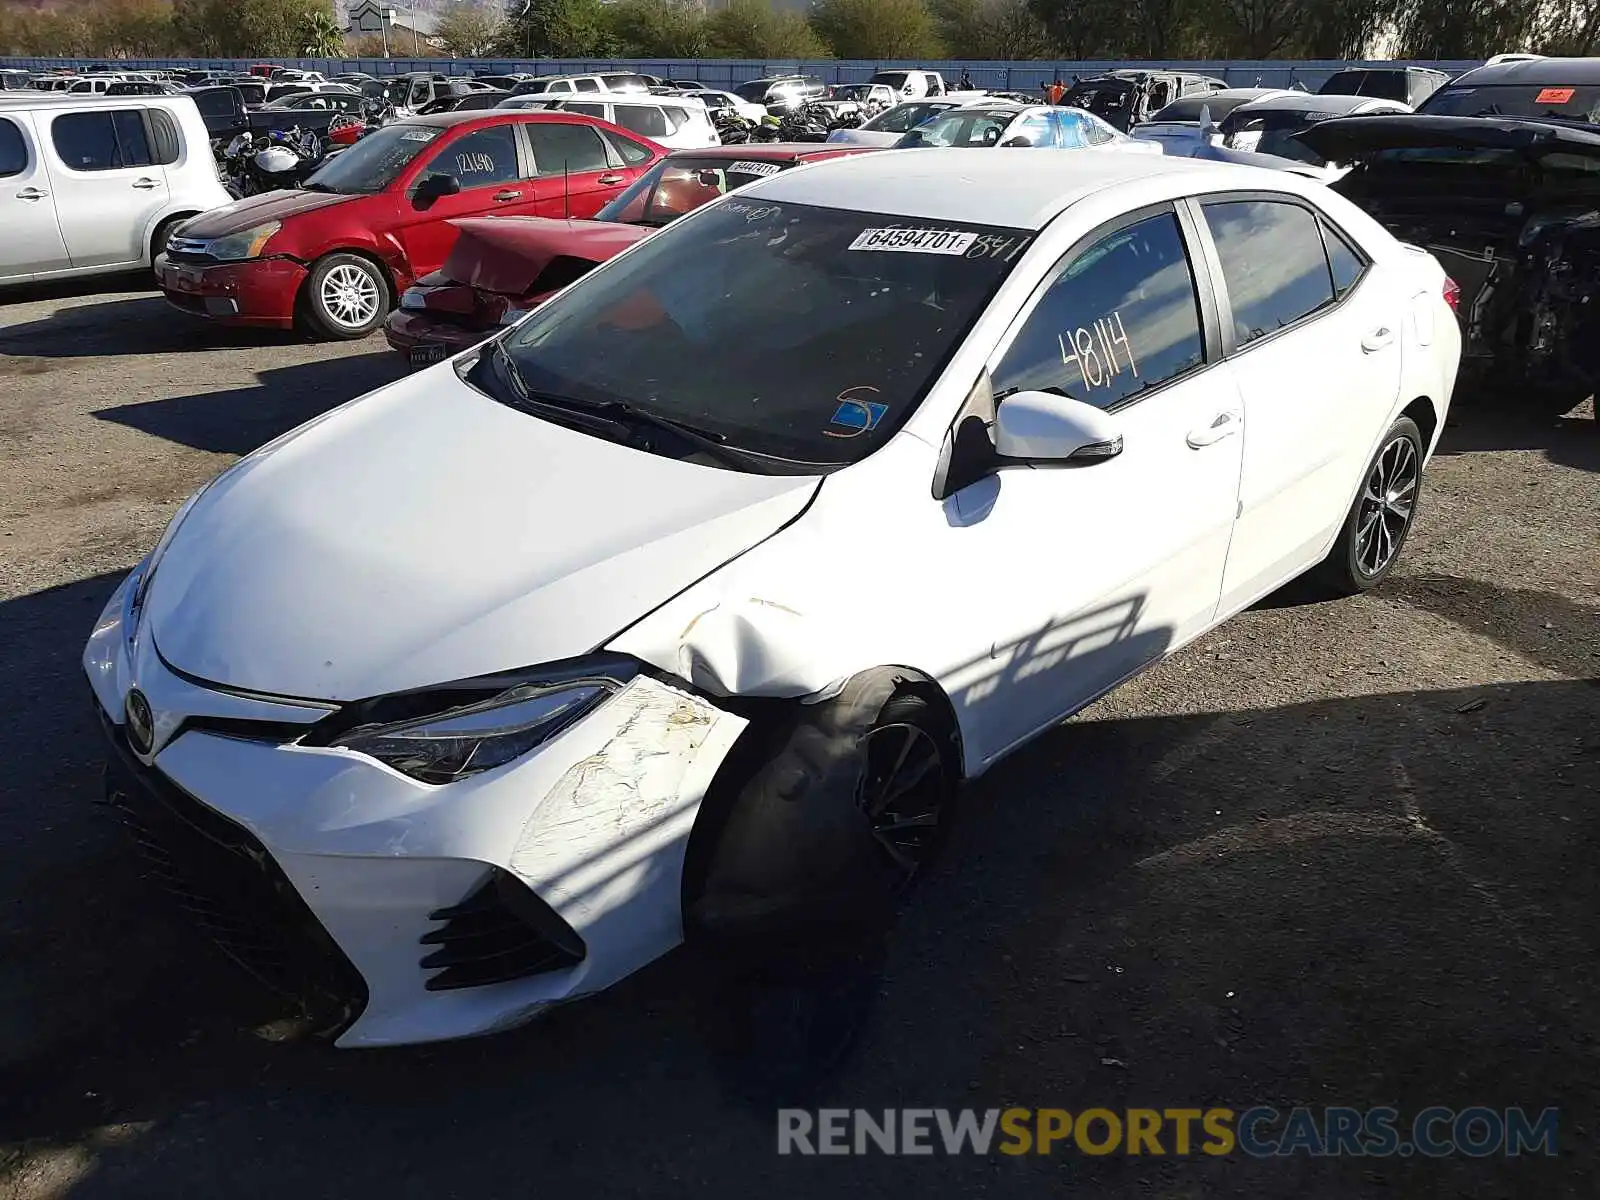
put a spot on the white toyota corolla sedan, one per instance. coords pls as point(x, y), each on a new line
point(682, 607)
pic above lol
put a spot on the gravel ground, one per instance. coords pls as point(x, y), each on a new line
point(1335, 853)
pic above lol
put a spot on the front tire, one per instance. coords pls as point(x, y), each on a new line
point(1369, 544)
point(346, 297)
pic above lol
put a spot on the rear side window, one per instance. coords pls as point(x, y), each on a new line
point(587, 85)
point(644, 119)
point(569, 148)
point(13, 150)
point(101, 141)
point(588, 110)
point(1344, 261)
point(164, 134)
point(631, 151)
point(1122, 316)
point(1272, 261)
point(215, 104)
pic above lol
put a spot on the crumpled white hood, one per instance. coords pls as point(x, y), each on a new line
point(426, 533)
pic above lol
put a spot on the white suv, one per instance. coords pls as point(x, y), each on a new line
point(677, 122)
point(95, 185)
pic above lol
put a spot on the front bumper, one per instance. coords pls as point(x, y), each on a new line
point(363, 873)
point(256, 292)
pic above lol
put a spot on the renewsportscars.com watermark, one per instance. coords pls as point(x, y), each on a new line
point(1261, 1132)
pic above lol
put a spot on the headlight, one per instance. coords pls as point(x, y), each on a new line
point(246, 244)
point(487, 731)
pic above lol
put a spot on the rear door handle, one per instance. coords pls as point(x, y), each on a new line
point(1377, 339)
point(1224, 424)
point(502, 196)
point(145, 183)
point(612, 180)
point(31, 193)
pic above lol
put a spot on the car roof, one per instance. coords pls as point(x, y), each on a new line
point(958, 184)
point(1538, 71)
point(53, 99)
point(770, 151)
point(1312, 102)
point(486, 116)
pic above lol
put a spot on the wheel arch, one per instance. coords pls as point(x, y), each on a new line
point(370, 253)
point(166, 220)
point(1426, 415)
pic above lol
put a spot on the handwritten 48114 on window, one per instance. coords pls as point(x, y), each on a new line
point(1094, 349)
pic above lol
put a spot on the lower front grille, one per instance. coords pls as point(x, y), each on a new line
point(228, 883)
point(501, 932)
point(185, 300)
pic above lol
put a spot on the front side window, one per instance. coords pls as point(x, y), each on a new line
point(13, 150)
point(631, 151)
point(101, 141)
point(215, 104)
point(598, 111)
point(803, 333)
point(1037, 131)
point(1272, 261)
point(1123, 316)
point(561, 148)
point(480, 159)
point(588, 85)
point(903, 117)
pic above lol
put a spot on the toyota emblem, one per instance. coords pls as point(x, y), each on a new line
point(141, 723)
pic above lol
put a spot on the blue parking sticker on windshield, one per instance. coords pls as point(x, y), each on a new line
point(855, 417)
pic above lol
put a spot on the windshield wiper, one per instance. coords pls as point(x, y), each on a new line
point(615, 414)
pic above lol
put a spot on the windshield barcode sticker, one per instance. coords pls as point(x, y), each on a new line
point(754, 168)
point(914, 241)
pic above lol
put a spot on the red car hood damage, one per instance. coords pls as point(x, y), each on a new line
point(258, 210)
point(507, 255)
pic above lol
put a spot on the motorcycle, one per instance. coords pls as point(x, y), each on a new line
point(282, 159)
point(734, 130)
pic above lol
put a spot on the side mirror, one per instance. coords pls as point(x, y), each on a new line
point(1044, 429)
point(436, 186)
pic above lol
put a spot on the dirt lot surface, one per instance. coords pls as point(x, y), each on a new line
point(1335, 853)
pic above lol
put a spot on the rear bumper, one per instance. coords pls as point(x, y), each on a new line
point(409, 329)
point(259, 292)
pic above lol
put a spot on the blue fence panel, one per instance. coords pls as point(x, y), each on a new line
point(1010, 76)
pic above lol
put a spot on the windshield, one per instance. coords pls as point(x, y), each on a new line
point(1573, 103)
point(806, 334)
point(1273, 133)
point(675, 186)
point(904, 116)
point(1389, 85)
point(960, 128)
point(374, 162)
point(1188, 109)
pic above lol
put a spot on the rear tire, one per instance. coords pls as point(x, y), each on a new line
point(1375, 530)
point(345, 297)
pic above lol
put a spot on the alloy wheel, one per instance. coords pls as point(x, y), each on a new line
point(1388, 500)
point(350, 296)
point(903, 793)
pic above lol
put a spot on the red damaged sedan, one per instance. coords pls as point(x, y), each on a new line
point(333, 256)
point(500, 268)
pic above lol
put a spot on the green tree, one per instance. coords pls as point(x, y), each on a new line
point(877, 28)
point(753, 29)
point(469, 30)
point(660, 29)
point(557, 29)
point(321, 36)
point(130, 29)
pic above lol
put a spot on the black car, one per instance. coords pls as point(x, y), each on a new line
point(1511, 207)
point(1409, 85)
point(465, 102)
point(143, 87)
point(1546, 89)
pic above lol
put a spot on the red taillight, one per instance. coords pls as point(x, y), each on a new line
point(1452, 293)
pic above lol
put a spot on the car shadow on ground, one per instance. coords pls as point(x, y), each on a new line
point(1392, 904)
point(1479, 422)
point(238, 420)
point(136, 324)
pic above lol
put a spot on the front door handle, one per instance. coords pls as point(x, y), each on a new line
point(1224, 424)
point(31, 193)
point(504, 196)
point(144, 183)
point(1377, 339)
point(612, 180)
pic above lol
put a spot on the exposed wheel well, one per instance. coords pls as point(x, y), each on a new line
point(161, 226)
point(1421, 411)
